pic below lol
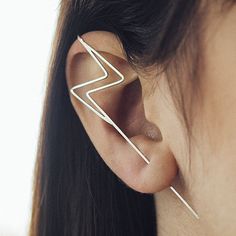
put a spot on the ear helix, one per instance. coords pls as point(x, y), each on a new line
point(102, 114)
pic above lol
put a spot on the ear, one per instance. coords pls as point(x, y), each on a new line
point(124, 105)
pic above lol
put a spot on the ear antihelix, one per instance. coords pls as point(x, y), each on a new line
point(94, 107)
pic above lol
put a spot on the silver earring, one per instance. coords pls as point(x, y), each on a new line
point(103, 115)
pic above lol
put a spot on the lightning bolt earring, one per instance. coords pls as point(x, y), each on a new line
point(102, 114)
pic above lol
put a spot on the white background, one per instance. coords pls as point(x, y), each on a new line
point(26, 31)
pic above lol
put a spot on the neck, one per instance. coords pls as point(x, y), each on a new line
point(173, 218)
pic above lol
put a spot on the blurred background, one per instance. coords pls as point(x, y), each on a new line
point(26, 31)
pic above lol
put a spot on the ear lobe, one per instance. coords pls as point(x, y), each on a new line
point(123, 103)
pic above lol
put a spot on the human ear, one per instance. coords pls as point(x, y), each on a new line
point(123, 104)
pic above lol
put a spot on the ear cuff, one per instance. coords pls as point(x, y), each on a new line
point(102, 114)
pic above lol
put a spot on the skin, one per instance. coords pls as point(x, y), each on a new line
point(212, 177)
point(208, 181)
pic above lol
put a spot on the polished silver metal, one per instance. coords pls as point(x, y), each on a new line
point(102, 114)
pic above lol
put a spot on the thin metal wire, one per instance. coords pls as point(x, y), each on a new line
point(103, 115)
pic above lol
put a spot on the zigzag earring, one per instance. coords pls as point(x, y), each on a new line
point(103, 115)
